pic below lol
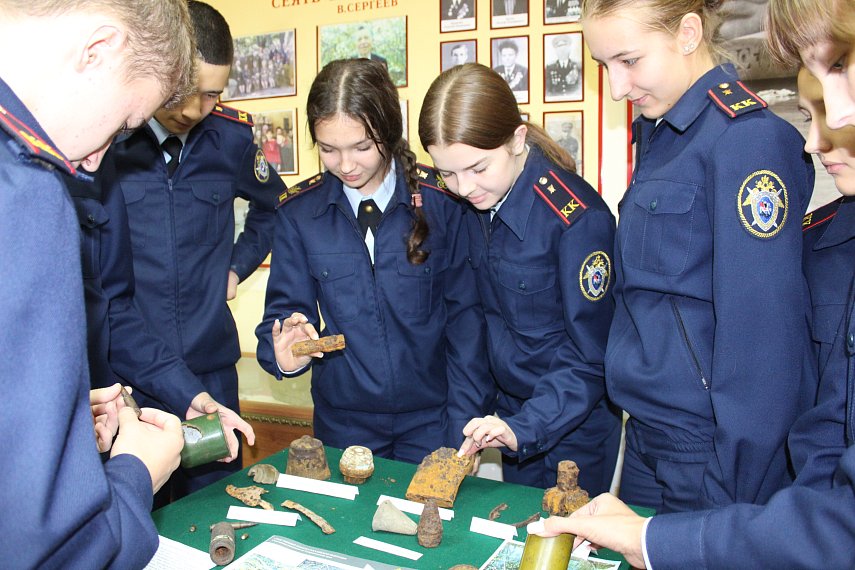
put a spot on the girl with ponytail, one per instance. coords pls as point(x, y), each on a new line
point(372, 247)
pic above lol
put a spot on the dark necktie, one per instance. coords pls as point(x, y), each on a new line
point(368, 217)
point(172, 146)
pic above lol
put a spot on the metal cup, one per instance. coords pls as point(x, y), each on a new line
point(204, 440)
point(551, 553)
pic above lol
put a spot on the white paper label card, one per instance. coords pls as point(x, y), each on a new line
point(492, 528)
point(339, 490)
point(414, 508)
point(262, 516)
point(390, 548)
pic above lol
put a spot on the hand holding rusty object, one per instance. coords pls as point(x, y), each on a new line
point(323, 344)
point(313, 516)
point(130, 402)
point(249, 496)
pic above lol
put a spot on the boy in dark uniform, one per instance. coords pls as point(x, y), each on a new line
point(179, 176)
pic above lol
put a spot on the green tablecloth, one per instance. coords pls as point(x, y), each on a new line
point(352, 519)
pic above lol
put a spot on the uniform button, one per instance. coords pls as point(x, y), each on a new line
point(90, 218)
point(522, 285)
point(653, 205)
point(427, 270)
point(216, 196)
point(325, 273)
point(851, 340)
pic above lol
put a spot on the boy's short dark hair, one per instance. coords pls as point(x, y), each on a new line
point(213, 36)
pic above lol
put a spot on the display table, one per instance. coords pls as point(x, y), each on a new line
point(352, 519)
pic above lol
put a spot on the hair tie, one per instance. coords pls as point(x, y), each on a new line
point(416, 200)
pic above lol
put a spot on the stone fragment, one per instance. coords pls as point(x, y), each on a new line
point(388, 518)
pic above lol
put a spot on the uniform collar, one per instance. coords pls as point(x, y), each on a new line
point(696, 99)
point(399, 194)
point(19, 123)
point(381, 196)
point(161, 134)
point(841, 228)
point(517, 205)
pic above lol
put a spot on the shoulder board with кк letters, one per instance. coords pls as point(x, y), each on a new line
point(429, 178)
point(820, 215)
point(233, 114)
point(735, 99)
point(559, 197)
point(294, 190)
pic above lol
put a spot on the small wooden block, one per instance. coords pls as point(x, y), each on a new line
point(323, 344)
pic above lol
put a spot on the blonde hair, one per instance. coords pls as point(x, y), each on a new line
point(160, 38)
point(666, 15)
point(471, 104)
point(794, 25)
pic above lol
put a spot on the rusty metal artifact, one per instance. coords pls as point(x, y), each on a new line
point(430, 526)
point(222, 547)
point(307, 458)
point(497, 511)
point(439, 477)
point(312, 515)
point(567, 496)
point(323, 344)
point(249, 496)
point(264, 473)
point(130, 402)
point(356, 464)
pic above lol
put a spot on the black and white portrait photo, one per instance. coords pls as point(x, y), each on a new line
point(456, 15)
point(509, 58)
point(562, 74)
point(561, 11)
point(509, 13)
point(457, 53)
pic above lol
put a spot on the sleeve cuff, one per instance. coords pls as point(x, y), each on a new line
point(647, 563)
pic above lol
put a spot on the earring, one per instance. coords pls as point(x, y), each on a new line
point(688, 48)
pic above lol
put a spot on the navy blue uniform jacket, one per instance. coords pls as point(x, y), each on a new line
point(182, 233)
point(414, 333)
point(812, 523)
point(710, 339)
point(544, 275)
point(61, 507)
point(121, 347)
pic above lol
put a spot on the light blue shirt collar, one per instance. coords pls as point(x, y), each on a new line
point(381, 196)
point(161, 133)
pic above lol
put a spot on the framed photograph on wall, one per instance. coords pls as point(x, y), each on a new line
point(524, 116)
point(264, 66)
point(509, 58)
point(563, 72)
point(508, 13)
point(457, 15)
point(384, 41)
point(566, 128)
point(275, 133)
point(457, 53)
point(561, 11)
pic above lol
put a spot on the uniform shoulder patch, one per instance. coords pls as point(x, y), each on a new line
point(260, 167)
point(763, 204)
point(821, 215)
point(559, 197)
point(735, 99)
point(303, 186)
point(430, 178)
point(38, 147)
point(595, 275)
point(232, 114)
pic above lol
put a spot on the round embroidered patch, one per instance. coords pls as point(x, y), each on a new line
point(595, 275)
point(262, 169)
point(763, 204)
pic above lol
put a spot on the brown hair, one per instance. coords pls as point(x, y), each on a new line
point(160, 38)
point(794, 25)
point(666, 16)
point(363, 90)
point(471, 104)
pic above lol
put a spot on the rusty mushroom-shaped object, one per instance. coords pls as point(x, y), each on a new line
point(307, 458)
point(356, 464)
point(567, 496)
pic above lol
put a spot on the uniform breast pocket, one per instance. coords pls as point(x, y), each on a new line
point(418, 285)
point(213, 204)
point(827, 321)
point(658, 226)
point(138, 216)
point(528, 295)
point(335, 274)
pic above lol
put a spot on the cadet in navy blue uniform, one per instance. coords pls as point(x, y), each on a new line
point(63, 507)
point(710, 331)
point(121, 347)
point(181, 215)
point(811, 523)
point(542, 243)
point(376, 242)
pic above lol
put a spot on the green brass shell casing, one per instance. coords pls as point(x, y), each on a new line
point(204, 440)
point(551, 553)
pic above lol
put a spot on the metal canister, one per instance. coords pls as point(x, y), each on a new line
point(551, 553)
point(222, 548)
point(204, 440)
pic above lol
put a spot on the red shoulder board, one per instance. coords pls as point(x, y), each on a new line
point(559, 197)
point(429, 178)
point(735, 99)
point(821, 215)
point(296, 189)
point(28, 138)
point(232, 114)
